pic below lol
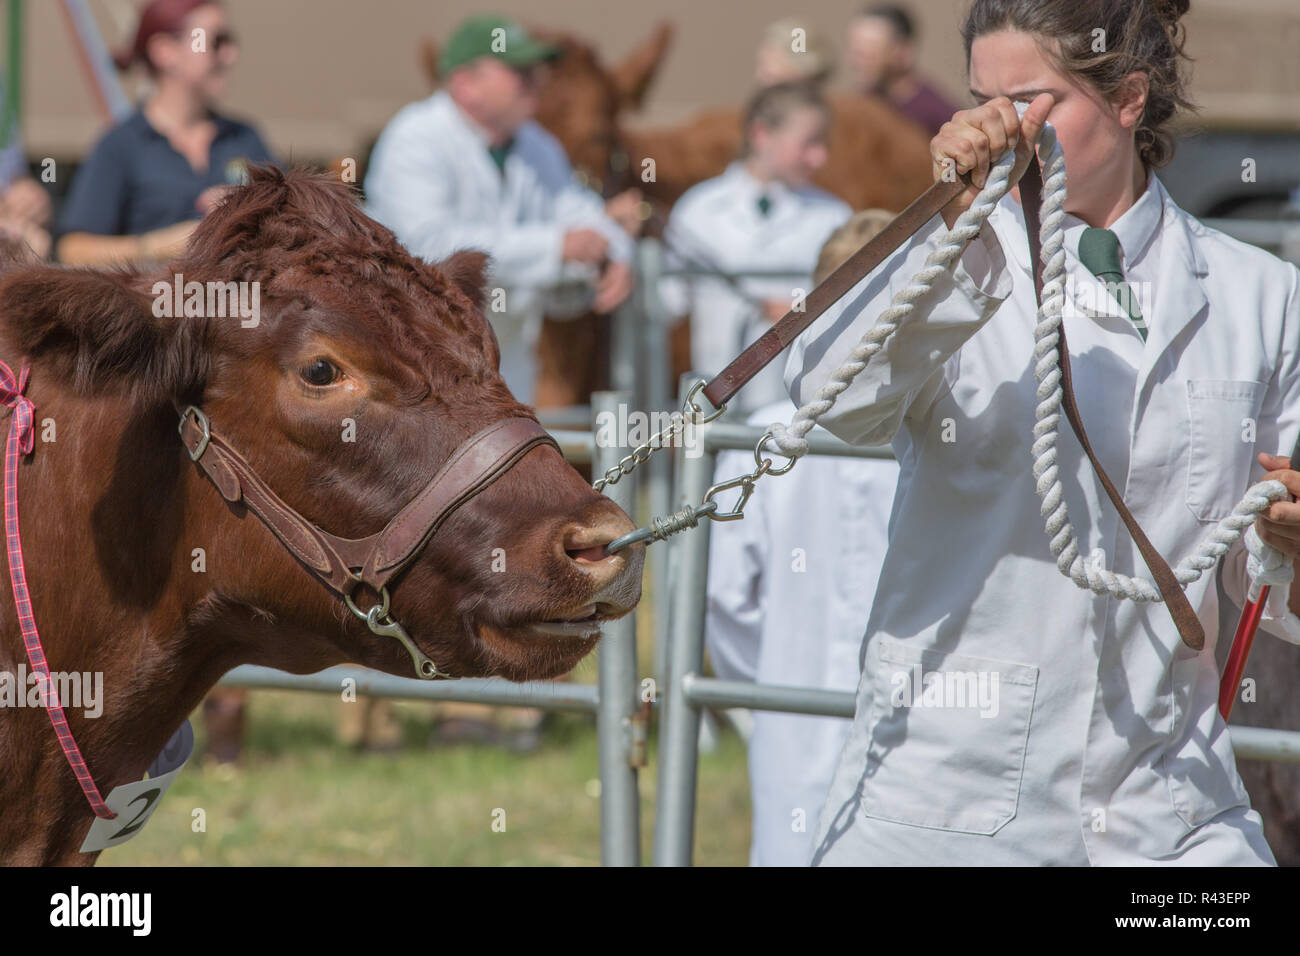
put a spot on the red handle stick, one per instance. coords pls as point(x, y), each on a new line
point(1241, 643)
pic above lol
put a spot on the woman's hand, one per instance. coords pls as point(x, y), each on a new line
point(1279, 525)
point(973, 139)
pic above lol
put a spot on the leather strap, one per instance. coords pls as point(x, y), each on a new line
point(1189, 626)
point(476, 463)
point(836, 285)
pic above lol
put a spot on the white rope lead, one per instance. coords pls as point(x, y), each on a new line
point(1088, 573)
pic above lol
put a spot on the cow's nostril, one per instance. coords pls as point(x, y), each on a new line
point(592, 555)
point(585, 546)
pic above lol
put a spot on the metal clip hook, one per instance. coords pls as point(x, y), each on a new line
point(425, 668)
point(661, 528)
point(746, 485)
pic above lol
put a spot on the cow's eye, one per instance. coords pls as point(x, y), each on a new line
point(320, 373)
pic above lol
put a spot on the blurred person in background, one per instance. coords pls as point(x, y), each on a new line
point(790, 52)
point(469, 168)
point(788, 591)
point(24, 204)
point(149, 180)
point(761, 214)
point(882, 57)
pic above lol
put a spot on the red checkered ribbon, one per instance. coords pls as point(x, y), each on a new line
point(21, 438)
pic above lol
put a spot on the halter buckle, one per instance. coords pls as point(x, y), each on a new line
point(205, 427)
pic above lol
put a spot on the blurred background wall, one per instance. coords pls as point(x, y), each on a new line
point(321, 77)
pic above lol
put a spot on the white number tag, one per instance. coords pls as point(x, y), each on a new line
point(134, 803)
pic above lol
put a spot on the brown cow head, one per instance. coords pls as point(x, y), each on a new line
point(364, 369)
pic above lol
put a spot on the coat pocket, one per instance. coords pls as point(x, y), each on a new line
point(1221, 416)
point(947, 738)
point(1203, 780)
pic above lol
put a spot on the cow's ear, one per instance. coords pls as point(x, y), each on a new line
point(102, 331)
point(429, 53)
point(467, 269)
point(633, 76)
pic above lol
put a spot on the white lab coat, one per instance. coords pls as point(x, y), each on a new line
point(717, 225)
point(1106, 745)
point(432, 181)
point(789, 591)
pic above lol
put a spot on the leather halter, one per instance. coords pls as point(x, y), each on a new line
point(342, 564)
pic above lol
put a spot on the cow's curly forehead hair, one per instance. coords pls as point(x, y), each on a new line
point(296, 230)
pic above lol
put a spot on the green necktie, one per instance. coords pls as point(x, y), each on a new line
point(1099, 252)
point(499, 154)
point(764, 205)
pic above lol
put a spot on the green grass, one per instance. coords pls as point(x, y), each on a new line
point(301, 798)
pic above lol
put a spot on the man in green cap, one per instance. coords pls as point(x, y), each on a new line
point(470, 168)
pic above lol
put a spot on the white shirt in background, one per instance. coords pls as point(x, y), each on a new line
point(432, 181)
point(717, 224)
point(789, 592)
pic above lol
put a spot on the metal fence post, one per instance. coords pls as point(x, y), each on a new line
point(679, 731)
point(617, 712)
point(624, 364)
point(656, 372)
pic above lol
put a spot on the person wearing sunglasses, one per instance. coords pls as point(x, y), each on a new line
point(148, 181)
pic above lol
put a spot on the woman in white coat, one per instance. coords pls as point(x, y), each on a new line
point(1004, 715)
point(761, 214)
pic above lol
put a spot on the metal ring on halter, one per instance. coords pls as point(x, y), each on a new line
point(365, 615)
point(690, 403)
point(759, 459)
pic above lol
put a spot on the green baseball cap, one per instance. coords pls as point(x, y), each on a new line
point(494, 36)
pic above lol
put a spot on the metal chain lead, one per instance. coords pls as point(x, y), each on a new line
point(689, 415)
point(642, 453)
